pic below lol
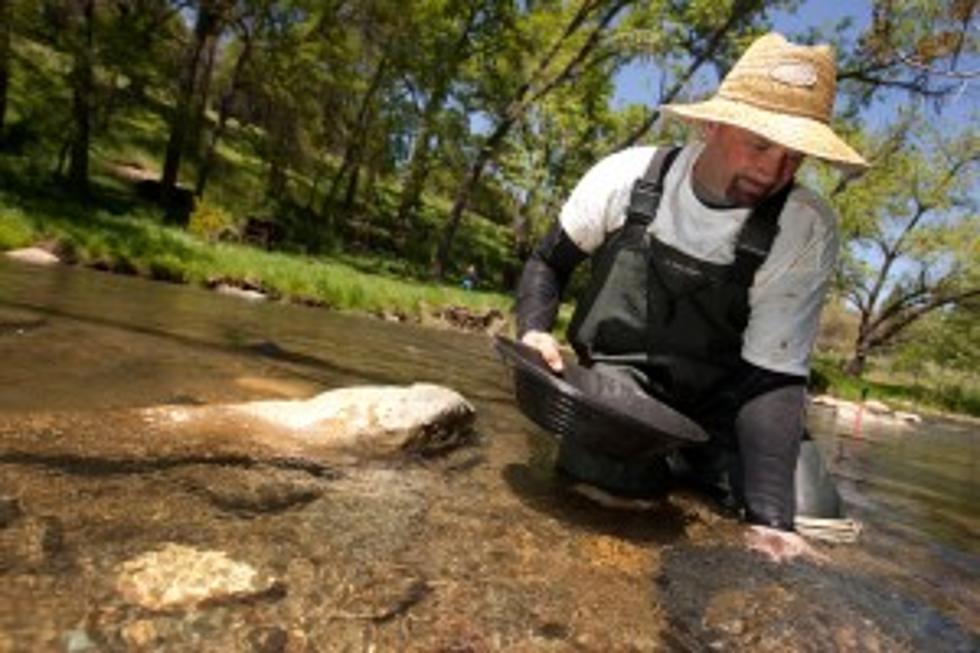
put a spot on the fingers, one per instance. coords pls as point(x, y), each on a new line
point(547, 346)
point(780, 546)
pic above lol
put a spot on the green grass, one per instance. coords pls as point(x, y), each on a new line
point(936, 393)
point(138, 242)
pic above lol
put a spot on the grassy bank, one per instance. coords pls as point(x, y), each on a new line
point(137, 241)
point(935, 392)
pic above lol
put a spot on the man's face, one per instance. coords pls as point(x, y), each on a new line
point(744, 166)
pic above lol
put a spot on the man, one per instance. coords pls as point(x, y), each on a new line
point(710, 266)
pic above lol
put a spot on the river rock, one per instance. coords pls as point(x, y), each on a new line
point(877, 407)
point(911, 418)
point(364, 421)
point(181, 577)
point(33, 255)
point(10, 509)
point(244, 293)
point(31, 543)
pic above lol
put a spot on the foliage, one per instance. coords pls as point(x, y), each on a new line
point(911, 230)
point(931, 389)
point(403, 134)
point(211, 222)
point(15, 229)
point(948, 338)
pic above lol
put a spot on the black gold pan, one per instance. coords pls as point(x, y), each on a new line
point(594, 410)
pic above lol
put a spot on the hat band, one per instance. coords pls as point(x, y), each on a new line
point(774, 102)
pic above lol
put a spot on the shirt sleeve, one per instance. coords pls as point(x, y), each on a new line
point(597, 204)
point(789, 289)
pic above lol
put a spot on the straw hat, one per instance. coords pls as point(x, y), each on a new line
point(783, 92)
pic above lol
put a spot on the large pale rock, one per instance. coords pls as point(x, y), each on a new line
point(364, 420)
point(34, 255)
point(179, 577)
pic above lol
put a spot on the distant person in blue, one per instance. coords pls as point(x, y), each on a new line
point(710, 265)
point(470, 278)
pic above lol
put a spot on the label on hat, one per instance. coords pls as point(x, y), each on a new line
point(797, 73)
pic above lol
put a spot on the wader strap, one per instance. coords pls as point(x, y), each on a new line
point(645, 196)
point(755, 238)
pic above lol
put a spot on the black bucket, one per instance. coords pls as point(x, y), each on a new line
point(595, 411)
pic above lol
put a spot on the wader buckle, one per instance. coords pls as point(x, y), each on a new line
point(644, 200)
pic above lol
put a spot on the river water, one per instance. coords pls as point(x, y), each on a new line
point(495, 553)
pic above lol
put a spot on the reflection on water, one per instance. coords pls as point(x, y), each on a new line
point(919, 480)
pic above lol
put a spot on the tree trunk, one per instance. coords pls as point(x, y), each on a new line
point(418, 166)
point(862, 346)
point(532, 90)
point(202, 93)
point(224, 109)
point(355, 143)
point(4, 59)
point(855, 366)
point(82, 82)
point(207, 21)
point(522, 227)
point(465, 191)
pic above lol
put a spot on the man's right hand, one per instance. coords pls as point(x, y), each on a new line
point(547, 346)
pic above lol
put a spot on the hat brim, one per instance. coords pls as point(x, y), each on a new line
point(798, 133)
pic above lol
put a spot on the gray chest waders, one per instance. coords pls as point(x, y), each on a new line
point(674, 320)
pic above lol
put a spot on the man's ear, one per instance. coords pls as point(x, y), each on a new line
point(707, 129)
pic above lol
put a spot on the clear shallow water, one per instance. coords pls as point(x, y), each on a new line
point(76, 340)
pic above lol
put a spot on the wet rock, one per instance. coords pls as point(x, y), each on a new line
point(466, 319)
point(384, 596)
point(31, 543)
point(729, 599)
point(10, 509)
point(871, 411)
point(33, 255)
point(364, 421)
point(180, 577)
point(877, 407)
point(911, 418)
point(76, 641)
point(244, 293)
point(252, 491)
point(139, 634)
point(268, 640)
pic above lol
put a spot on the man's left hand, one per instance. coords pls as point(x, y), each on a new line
point(780, 546)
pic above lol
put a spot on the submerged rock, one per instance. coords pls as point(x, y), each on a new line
point(180, 577)
point(31, 543)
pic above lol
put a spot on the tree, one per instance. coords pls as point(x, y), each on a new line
point(208, 25)
point(948, 338)
point(915, 49)
point(82, 79)
point(249, 26)
point(911, 232)
point(559, 45)
point(450, 28)
point(5, 31)
point(69, 27)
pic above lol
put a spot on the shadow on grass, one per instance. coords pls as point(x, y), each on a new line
point(107, 228)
